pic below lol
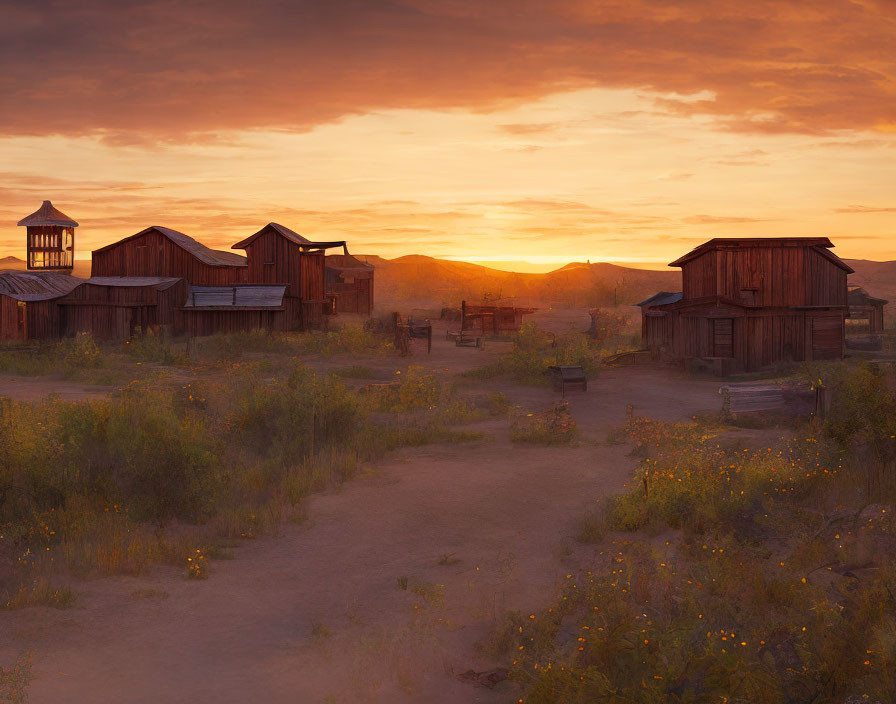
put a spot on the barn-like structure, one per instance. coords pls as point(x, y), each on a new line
point(162, 278)
point(349, 284)
point(746, 304)
point(864, 306)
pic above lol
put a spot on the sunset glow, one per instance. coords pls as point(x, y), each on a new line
point(541, 133)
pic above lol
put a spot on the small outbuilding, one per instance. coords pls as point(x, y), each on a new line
point(349, 284)
point(864, 306)
point(28, 309)
point(746, 304)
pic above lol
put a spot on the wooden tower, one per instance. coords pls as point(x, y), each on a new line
point(51, 239)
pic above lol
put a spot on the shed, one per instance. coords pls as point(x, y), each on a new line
point(28, 309)
point(241, 307)
point(116, 307)
point(656, 324)
point(349, 282)
point(864, 306)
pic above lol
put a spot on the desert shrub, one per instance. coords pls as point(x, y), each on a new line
point(554, 426)
point(15, 680)
point(150, 346)
point(143, 477)
point(354, 371)
point(533, 352)
point(721, 622)
point(687, 482)
point(233, 346)
point(38, 593)
point(414, 390)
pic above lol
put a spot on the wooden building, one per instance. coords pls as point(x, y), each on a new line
point(27, 304)
point(863, 306)
point(50, 239)
point(238, 308)
point(492, 319)
point(349, 284)
point(117, 307)
point(161, 251)
point(277, 255)
point(749, 303)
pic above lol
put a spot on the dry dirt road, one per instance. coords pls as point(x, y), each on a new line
point(316, 614)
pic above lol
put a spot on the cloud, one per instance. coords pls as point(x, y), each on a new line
point(719, 220)
point(153, 70)
point(865, 209)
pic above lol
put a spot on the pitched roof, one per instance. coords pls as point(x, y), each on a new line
point(36, 286)
point(291, 235)
point(857, 296)
point(46, 214)
point(212, 257)
point(239, 296)
point(159, 282)
point(821, 244)
point(661, 299)
point(348, 265)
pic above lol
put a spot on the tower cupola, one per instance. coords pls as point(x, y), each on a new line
point(51, 239)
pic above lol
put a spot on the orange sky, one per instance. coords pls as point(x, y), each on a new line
point(510, 131)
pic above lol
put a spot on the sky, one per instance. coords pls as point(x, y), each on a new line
point(519, 133)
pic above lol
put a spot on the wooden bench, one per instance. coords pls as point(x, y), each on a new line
point(564, 377)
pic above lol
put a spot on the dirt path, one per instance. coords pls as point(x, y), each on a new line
point(31, 388)
point(316, 614)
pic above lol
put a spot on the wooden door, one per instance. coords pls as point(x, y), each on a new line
point(722, 337)
point(827, 338)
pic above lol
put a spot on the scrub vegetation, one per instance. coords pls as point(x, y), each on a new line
point(173, 473)
point(734, 573)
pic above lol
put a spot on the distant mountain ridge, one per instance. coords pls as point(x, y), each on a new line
point(430, 281)
point(427, 281)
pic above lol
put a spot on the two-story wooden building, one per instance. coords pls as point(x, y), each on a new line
point(750, 303)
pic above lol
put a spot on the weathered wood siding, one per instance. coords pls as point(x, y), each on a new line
point(273, 259)
point(698, 276)
point(198, 321)
point(11, 326)
point(766, 276)
point(153, 254)
point(117, 312)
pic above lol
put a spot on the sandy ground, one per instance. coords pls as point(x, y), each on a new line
point(30, 388)
point(316, 614)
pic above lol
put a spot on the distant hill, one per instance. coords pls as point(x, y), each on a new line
point(423, 280)
point(877, 278)
point(81, 268)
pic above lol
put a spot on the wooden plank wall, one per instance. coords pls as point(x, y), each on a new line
point(766, 276)
point(9, 320)
point(210, 322)
point(273, 259)
point(153, 254)
point(354, 297)
point(698, 276)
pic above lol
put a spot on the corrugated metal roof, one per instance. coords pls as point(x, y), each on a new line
point(661, 299)
point(36, 286)
point(238, 296)
point(46, 214)
point(160, 282)
point(212, 257)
